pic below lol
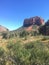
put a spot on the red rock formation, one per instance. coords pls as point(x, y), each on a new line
point(28, 28)
point(33, 21)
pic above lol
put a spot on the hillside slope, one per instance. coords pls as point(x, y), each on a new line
point(3, 29)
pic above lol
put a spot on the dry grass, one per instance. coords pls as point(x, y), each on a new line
point(4, 42)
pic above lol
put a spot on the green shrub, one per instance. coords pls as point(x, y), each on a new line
point(34, 33)
point(8, 35)
point(23, 33)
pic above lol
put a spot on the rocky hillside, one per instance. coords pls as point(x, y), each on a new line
point(31, 23)
point(3, 29)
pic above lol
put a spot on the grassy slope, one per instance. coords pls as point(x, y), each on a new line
point(4, 42)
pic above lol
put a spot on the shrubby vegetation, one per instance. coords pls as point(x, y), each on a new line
point(8, 35)
point(23, 33)
point(32, 53)
point(34, 33)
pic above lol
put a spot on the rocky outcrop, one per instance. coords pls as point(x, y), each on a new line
point(3, 29)
point(45, 29)
point(33, 21)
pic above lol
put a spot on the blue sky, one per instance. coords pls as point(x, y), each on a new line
point(13, 12)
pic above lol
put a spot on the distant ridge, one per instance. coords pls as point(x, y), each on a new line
point(3, 29)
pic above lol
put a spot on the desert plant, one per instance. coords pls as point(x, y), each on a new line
point(23, 33)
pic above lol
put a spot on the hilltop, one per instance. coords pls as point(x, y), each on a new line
point(3, 29)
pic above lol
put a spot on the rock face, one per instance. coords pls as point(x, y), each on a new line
point(3, 29)
point(45, 29)
point(33, 21)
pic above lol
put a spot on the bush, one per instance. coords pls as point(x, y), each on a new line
point(8, 35)
point(23, 33)
point(4, 35)
point(34, 33)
